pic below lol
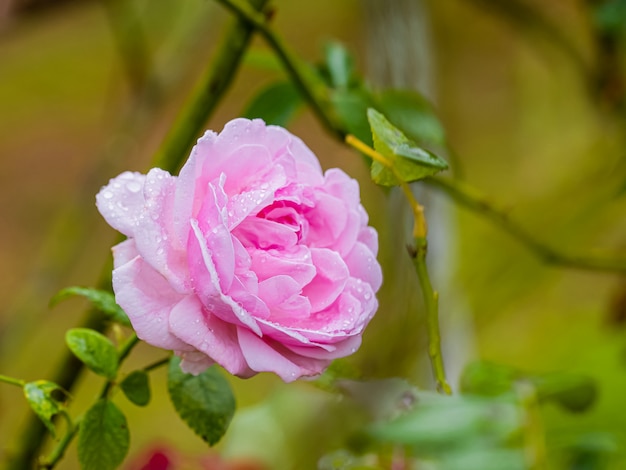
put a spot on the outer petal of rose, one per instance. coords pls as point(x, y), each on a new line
point(216, 152)
point(331, 277)
point(307, 164)
point(191, 186)
point(369, 237)
point(124, 252)
point(341, 349)
point(154, 233)
point(262, 357)
point(121, 202)
point(191, 323)
point(363, 265)
point(245, 168)
point(340, 185)
point(147, 298)
point(207, 286)
point(344, 242)
point(194, 362)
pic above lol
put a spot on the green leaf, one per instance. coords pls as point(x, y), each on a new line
point(94, 349)
point(410, 161)
point(276, 104)
point(40, 397)
point(136, 387)
point(339, 65)
point(414, 114)
point(103, 438)
point(101, 299)
point(205, 401)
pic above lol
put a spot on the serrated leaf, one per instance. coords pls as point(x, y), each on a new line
point(339, 65)
point(136, 387)
point(101, 299)
point(39, 395)
point(205, 401)
point(276, 104)
point(103, 438)
point(95, 350)
point(410, 162)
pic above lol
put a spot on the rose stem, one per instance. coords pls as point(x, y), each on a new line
point(418, 255)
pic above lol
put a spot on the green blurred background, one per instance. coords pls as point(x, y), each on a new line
point(531, 97)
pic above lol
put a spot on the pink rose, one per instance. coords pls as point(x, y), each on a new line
point(252, 258)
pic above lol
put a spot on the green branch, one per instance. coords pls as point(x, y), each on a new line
point(207, 94)
point(312, 88)
point(473, 200)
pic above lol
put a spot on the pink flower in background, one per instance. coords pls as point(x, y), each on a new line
point(251, 258)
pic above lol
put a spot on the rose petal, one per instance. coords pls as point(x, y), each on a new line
point(147, 298)
point(206, 284)
point(295, 262)
point(191, 323)
point(153, 237)
point(124, 252)
point(262, 357)
point(121, 202)
point(330, 279)
point(363, 265)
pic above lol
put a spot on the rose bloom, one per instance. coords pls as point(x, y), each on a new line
point(251, 258)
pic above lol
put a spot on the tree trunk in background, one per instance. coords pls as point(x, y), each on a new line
point(399, 55)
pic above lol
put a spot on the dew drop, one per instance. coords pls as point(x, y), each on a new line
point(133, 186)
point(107, 194)
point(367, 296)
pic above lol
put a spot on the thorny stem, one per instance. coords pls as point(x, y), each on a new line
point(418, 255)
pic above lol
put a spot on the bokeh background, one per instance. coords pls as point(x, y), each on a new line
point(531, 97)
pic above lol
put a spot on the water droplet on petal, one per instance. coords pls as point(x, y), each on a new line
point(133, 186)
point(107, 194)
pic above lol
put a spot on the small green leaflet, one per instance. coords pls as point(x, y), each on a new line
point(103, 437)
point(136, 387)
point(39, 395)
point(410, 162)
point(205, 401)
point(101, 299)
point(95, 350)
